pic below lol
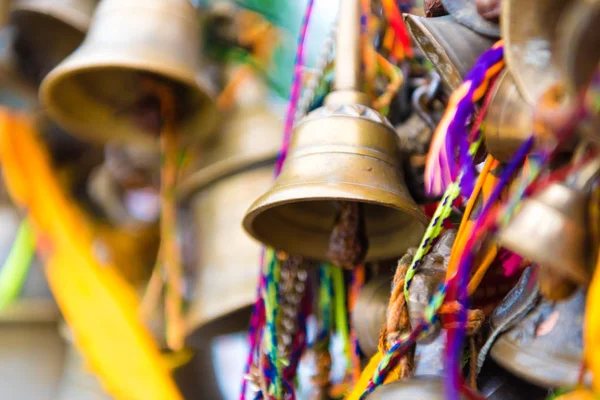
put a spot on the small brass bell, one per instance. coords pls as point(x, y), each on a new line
point(509, 120)
point(529, 31)
point(370, 313)
point(98, 91)
point(48, 31)
point(238, 167)
point(550, 228)
point(467, 14)
point(579, 43)
point(451, 47)
point(343, 151)
point(15, 91)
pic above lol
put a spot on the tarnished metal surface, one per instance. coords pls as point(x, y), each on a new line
point(97, 92)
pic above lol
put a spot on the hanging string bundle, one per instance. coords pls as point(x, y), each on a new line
point(91, 292)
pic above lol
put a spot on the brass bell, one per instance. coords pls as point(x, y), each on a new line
point(550, 228)
point(48, 31)
point(370, 313)
point(15, 91)
point(343, 151)
point(238, 167)
point(451, 47)
point(509, 120)
point(97, 92)
point(578, 43)
point(529, 30)
point(545, 345)
point(466, 13)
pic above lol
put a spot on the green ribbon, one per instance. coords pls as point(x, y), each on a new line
point(17, 265)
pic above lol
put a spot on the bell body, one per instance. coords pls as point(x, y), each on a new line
point(529, 31)
point(451, 47)
point(96, 90)
point(15, 91)
point(238, 167)
point(550, 230)
point(338, 153)
point(509, 120)
point(48, 31)
point(545, 347)
point(370, 313)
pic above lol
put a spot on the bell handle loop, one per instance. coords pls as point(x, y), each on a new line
point(348, 46)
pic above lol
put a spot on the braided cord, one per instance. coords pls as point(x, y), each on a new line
point(270, 299)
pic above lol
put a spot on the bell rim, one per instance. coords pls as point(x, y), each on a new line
point(521, 247)
point(199, 329)
point(442, 43)
point(530, 363)
point(78, 62)
point(325, 192)
point(206, 176)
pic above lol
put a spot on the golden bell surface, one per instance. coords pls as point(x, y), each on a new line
point(550, 230)
point(579, 43)
point(451, 47)
point(545, 346)
point(48, 31)
point(15, 92)
point(237, 168)
point(509, 119)
point(338, 152)
point(370, 313)
point(529, 31)
point(248, 136)
point(97, 92)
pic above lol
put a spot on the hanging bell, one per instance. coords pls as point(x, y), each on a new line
point(451, 47)
point(15, 91)
point(545, 346)
point(47, 32)
point(370, 313)
point(99, 91)
point(550, 228)
point(238, 166)
point(579, 43)
point(529, 31)
point(466, 13)
point(509, 120)
point(343, 151)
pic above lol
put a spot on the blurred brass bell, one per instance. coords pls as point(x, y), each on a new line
point(550, 228)
point(15, 91)
point(465, 12)
point(343, 151)
point(545, 345)
point(48, 31)
point(509, 119)
point(370, 313)
point(579, 43)
point(451, 47)
point(97, 92)
point(529, 30)
point(238, 167)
